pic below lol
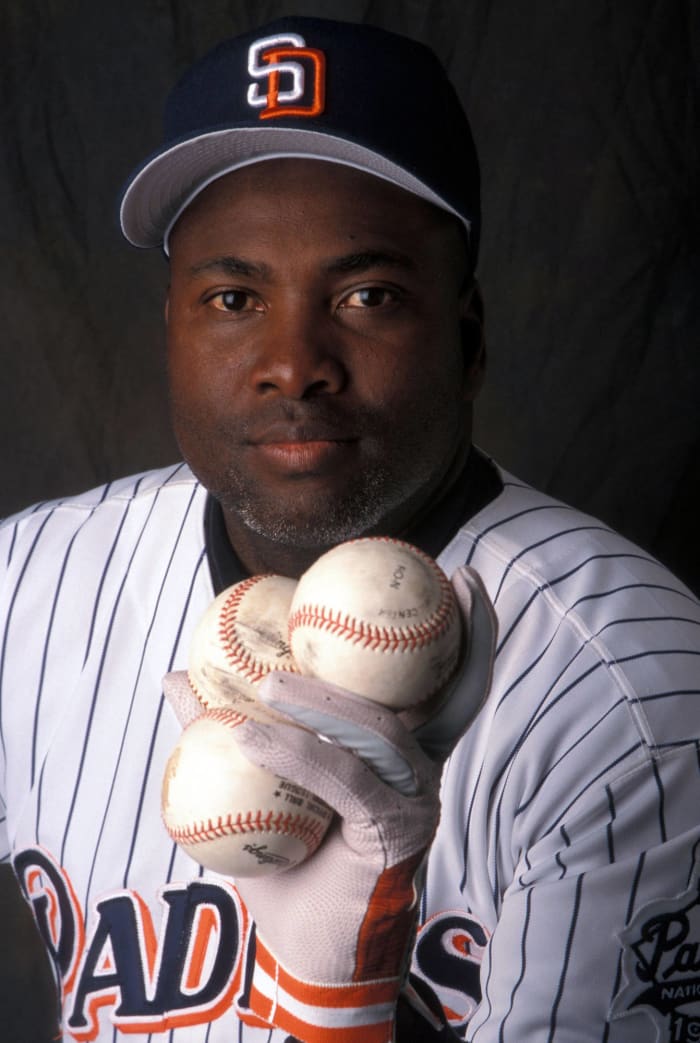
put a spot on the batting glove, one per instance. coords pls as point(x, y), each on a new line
point(334, 933)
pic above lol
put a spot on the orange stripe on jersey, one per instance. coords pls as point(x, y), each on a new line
point(38, 882)
point(35, 883)
point(105, 999)
point(150, 939)
point(206, 925)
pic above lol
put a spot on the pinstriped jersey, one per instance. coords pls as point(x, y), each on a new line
point(561, 900)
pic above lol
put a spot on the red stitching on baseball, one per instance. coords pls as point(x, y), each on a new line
point(410, 637)
point(247, 665)
point(225, 715)
point(369, 635)
point(304, 828)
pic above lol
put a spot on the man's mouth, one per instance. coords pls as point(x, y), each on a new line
point(303, 456)
point(302, 448)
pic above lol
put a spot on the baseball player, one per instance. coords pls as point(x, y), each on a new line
point(317, 195)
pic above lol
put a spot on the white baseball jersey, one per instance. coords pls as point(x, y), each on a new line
point(561, 900)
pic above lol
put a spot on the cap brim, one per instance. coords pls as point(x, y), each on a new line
point(162, 189)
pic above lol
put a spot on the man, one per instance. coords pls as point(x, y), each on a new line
point(321, 217)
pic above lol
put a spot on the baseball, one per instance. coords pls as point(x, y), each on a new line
point(379, 617)
point(230, 815)
point(241, 637)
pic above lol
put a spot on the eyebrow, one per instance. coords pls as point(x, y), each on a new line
point(360, 261)
point(231, 265)
point(365, 259)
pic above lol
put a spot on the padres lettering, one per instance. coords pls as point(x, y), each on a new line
point(295, 76)
point(448, 954)
point(187, 972)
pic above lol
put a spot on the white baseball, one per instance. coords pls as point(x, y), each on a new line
point(240, 639)
point(379, 617)
point(230, 815)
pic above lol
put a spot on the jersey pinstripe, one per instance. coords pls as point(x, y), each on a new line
point(572, 802)
point(568, 809)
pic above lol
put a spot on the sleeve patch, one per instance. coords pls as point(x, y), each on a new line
point(661, 965)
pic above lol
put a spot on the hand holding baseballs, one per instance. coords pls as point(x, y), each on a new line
point(376, 617)
point(350, 910)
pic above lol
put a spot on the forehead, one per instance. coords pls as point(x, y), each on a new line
point(319, 202)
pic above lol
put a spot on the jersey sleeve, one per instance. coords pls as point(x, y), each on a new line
point(598, 935)
point(562, 896)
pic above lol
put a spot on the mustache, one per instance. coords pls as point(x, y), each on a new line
point(310, 419)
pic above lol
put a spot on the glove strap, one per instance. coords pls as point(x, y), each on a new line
point(317, 1013)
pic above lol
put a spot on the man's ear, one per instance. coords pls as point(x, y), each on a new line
point(473, 343)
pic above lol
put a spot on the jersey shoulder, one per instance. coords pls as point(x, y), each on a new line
point(584, 611)
point(103, 506)
point(527, 534)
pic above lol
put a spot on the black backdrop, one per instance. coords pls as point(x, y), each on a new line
point(586, 119)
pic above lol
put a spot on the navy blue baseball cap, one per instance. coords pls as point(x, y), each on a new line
point(314, 88)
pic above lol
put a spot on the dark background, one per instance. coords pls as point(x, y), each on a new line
point(586, 119)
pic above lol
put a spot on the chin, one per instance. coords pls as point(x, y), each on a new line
point(315, 522)
point(321, 530)
point(318, 517)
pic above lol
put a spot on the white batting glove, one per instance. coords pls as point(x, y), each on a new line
point(334, 933)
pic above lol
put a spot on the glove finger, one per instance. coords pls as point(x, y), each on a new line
point(376, 821)
point(181, 698)
point(464, 698)
point(372, 732)
point(339, 776)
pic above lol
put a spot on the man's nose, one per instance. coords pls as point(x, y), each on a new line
point(299, 355)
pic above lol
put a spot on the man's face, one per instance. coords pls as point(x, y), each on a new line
point(318, 382)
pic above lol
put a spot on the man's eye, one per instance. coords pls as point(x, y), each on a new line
point(234, 300)
point(368, 297)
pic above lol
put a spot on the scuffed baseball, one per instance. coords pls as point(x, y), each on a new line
point(242, 637)
point(230, 815)
point(379, 617)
